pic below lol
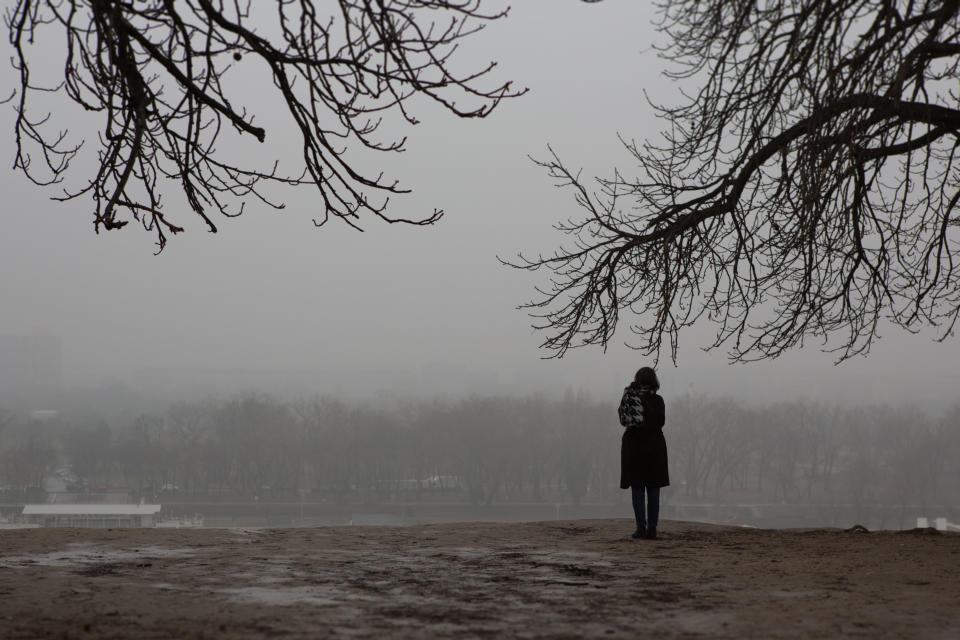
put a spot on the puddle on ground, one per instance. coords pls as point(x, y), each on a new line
point(83, 554)
point(285, 596)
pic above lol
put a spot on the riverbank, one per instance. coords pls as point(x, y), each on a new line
point(541, 579)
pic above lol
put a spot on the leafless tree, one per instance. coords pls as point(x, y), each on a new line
point(166, 78)
point(806, 189)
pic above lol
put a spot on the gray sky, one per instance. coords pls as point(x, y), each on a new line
point(400, 310)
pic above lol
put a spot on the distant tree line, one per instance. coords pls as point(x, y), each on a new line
point(486, 450)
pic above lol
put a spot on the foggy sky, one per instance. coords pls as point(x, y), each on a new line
point(271, 302)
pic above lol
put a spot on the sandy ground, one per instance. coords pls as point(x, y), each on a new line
point(584, 578)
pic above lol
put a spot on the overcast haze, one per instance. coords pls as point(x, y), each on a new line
point(272, 303)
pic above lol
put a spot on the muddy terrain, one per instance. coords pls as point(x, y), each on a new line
point(584, 578)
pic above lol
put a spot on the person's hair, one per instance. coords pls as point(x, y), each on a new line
point(647, 377)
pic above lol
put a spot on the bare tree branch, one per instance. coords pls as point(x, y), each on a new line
point(808, 189)
point(158, 71)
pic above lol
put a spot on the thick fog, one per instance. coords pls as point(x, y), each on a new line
point(272, 304)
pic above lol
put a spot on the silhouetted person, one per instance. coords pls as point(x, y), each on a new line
point(643, 450)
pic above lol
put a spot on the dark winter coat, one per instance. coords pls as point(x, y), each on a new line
point(643, 450)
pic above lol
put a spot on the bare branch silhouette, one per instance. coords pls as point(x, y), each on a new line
point(159, 73)
point(807, 189)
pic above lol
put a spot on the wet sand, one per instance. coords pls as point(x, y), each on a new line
point(584, 578)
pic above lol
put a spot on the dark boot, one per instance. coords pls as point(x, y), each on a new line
point(641, 532)
point(651, 533)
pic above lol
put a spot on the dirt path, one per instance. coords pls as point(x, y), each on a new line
point(555, 579)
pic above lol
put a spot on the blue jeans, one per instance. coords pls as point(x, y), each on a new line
point(651, 515)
